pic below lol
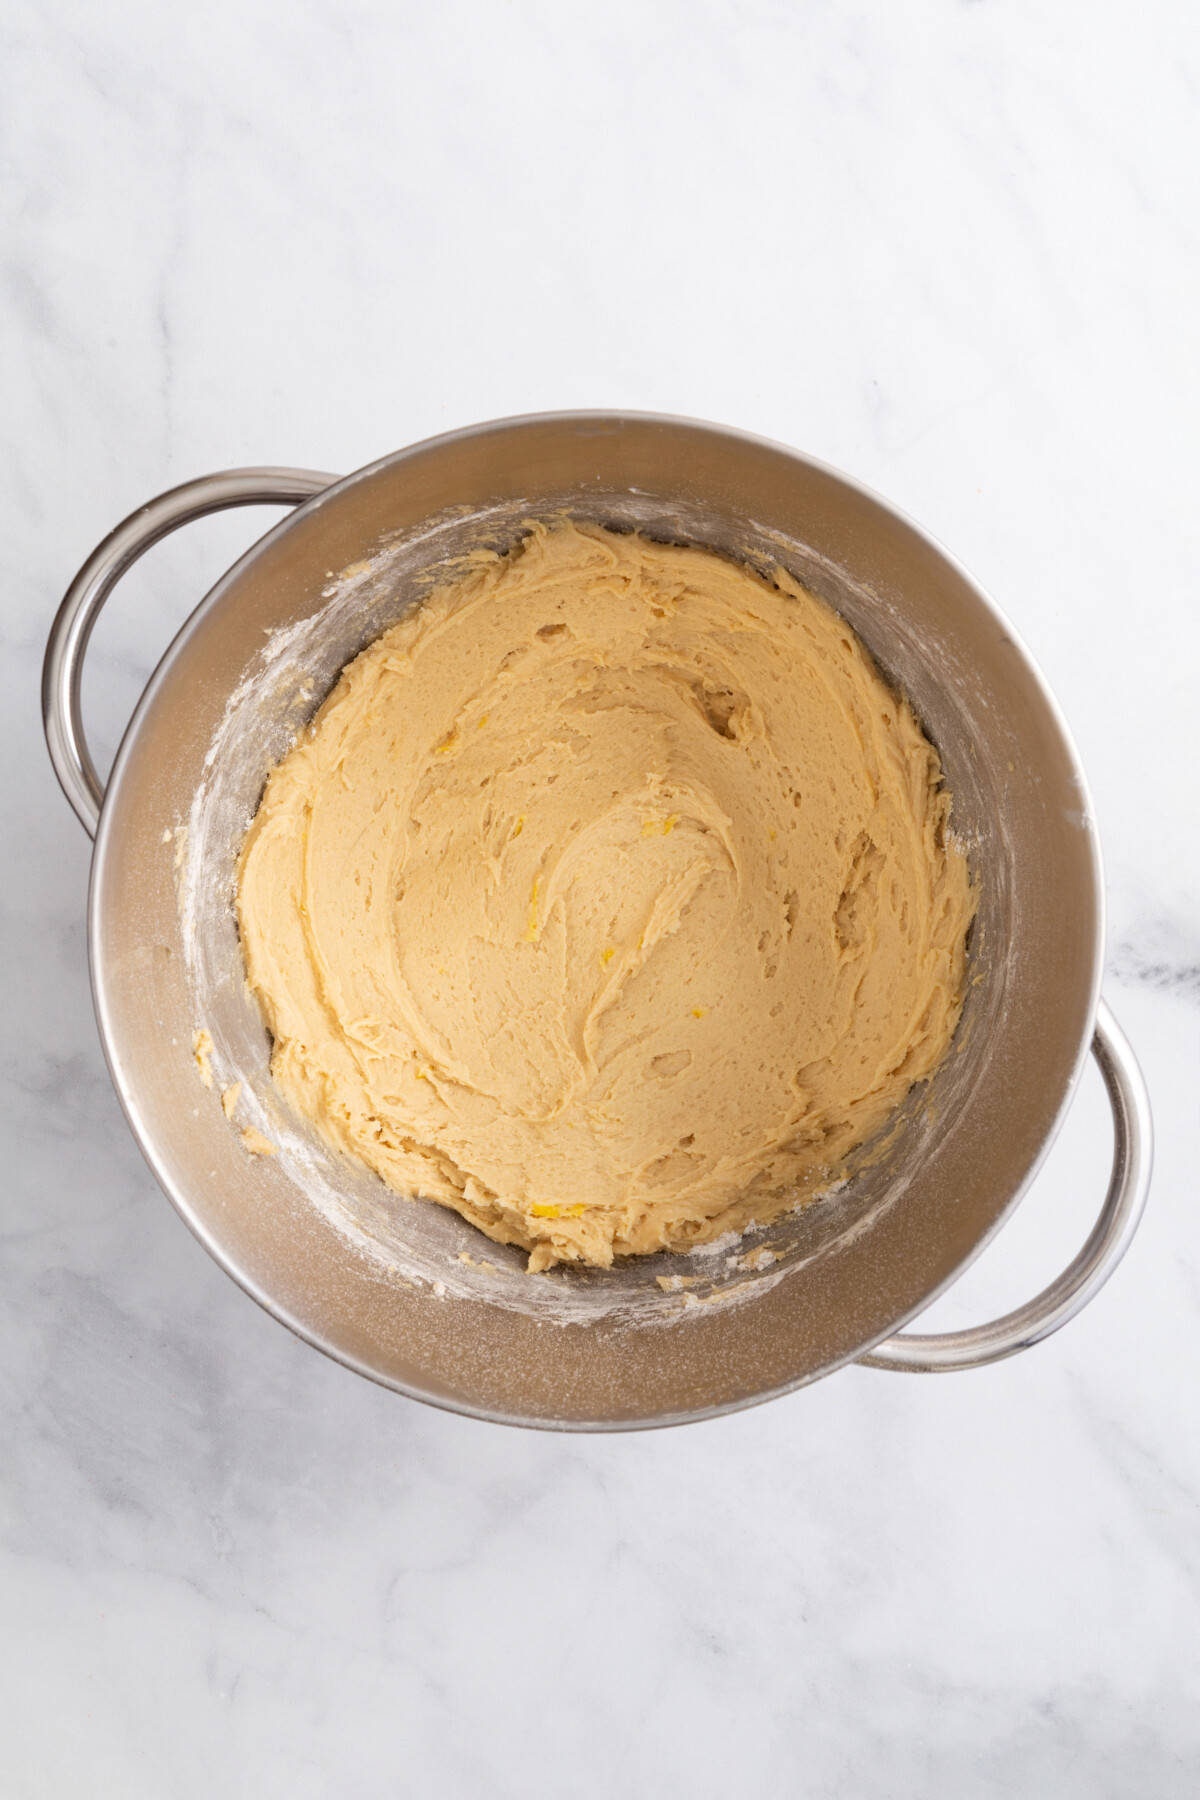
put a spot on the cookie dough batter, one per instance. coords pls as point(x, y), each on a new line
point(608, 899)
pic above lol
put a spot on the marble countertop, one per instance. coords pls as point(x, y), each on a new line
point(952, 249)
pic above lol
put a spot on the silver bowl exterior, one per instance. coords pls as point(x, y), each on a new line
point(392, 1287)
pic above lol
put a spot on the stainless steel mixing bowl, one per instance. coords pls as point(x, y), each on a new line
point(405, 1291)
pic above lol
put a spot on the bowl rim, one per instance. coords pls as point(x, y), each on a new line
point(102, 853)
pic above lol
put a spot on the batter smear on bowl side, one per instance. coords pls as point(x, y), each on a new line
point(608, 899)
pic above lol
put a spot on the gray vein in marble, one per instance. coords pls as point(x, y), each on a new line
point(1164, 953)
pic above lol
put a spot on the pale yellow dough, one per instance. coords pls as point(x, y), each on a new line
point(608, 899)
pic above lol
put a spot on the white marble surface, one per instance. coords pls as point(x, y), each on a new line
point(951, 248)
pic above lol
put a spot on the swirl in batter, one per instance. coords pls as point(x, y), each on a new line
point(608, 899)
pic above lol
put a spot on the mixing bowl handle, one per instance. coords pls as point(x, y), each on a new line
point(1082, 1280)
point(62, 671)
